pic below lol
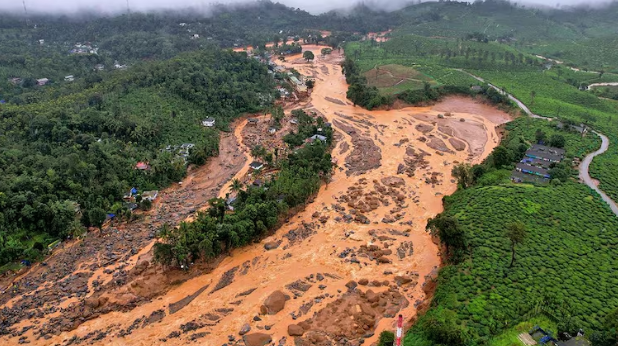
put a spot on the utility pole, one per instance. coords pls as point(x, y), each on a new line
point(26, 13)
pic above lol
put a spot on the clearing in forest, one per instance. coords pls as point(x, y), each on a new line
point(393, 78)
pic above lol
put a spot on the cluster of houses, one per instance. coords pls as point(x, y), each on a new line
point(534, 167)
point(539, 336)
point(181, 151)
point(130, 197)
point(83, 48)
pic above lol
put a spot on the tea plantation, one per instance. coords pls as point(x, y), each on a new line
point(564, 269)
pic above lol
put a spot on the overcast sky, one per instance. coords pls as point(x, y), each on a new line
point(314, 6)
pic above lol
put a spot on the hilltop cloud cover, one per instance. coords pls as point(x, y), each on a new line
point(112, 6)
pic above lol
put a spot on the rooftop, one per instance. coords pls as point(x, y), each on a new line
point(533, 170)
point(256, 165)
point(545, 153)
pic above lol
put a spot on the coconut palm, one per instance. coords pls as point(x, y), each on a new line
point(236, 186)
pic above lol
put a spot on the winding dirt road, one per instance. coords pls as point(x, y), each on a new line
point(584, 168)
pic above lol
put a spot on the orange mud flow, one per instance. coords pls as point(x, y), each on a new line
point(367, 226)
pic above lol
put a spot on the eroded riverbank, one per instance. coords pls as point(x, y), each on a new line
point(358, 254)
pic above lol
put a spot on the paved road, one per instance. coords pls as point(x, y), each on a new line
point(584, 174)
point(584, 167)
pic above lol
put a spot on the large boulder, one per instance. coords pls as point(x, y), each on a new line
point(257, 339)
point(372, 297)
point(274, 303)
point(351, 285)
point(271, 245)
point(295, 330)
point(94, 302)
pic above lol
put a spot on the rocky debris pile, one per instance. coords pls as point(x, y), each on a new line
point(298, 287)
point(365, 155)
point(407, 280)
point(405, 249)
point(361, 199)
point(375, 253)
point(226, 279)
point(433, 178)
point(413, 161)
point(299, 234)
point(354, 316)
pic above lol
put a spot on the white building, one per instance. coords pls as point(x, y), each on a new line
point(69, 78)
point(150, 195)
point(42, 81)
point(208, 122)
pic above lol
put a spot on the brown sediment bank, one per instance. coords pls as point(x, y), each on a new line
point(355, 258)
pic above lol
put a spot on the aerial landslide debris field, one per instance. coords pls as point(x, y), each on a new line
point(342, 268)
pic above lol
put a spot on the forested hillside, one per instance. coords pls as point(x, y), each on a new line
point(56, 46)
point(76, 148)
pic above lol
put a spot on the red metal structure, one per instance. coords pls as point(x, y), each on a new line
point(399, 333)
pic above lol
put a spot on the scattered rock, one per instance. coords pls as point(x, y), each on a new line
point(351, 285)
point(246, 328)
point(272, 245)
point(295, 330)
point(257, 339)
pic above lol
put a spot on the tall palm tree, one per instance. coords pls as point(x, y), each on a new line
point(237, 186)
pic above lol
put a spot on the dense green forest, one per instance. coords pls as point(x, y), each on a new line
point(255, 210)
point(76, 150)
point(46, 47)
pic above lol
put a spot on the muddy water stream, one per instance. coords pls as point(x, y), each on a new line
point(366, 224)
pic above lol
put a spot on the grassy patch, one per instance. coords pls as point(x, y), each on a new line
point(393, 78)
point(12, 266)
point(510, 337)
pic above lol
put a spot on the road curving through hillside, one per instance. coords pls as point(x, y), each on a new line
point(584, 174)
point(584, 167)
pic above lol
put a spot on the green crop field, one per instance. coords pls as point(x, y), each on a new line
point(562, 275)
point(390, 79)
point(565, 263)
